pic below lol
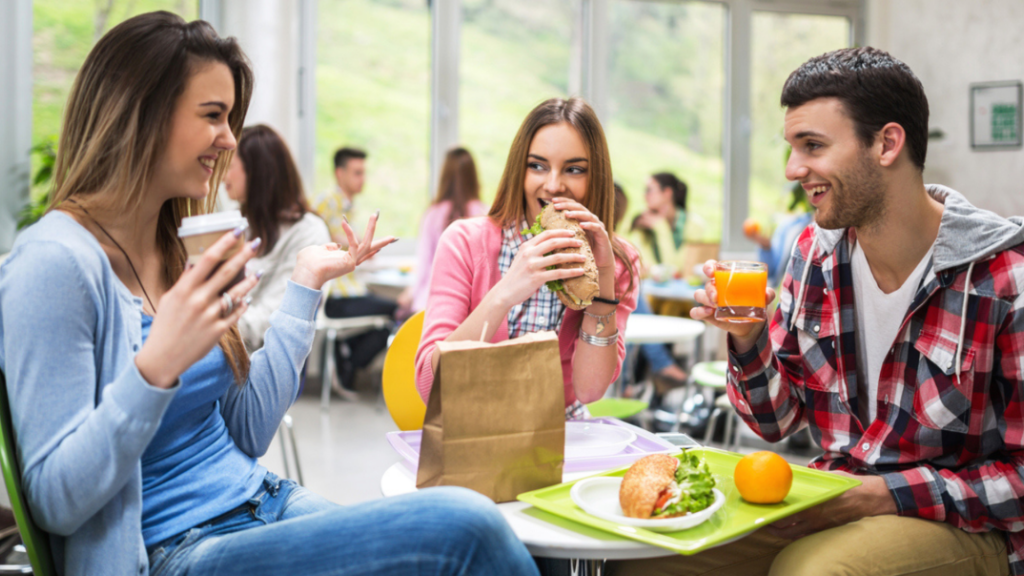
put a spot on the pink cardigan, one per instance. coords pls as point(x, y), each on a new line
point(466, 268)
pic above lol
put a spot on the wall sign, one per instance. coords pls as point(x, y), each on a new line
point(996, 115)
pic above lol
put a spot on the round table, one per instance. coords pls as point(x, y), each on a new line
point(541, 537)
point(654, 329)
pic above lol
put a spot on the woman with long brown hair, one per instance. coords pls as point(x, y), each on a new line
point(265, 181)
point(488, 277)
point(458, 197)
point(139, 416)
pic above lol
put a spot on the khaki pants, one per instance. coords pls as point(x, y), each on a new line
point(876, 546)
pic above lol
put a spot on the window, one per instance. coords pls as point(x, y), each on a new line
point(373, 92)
point(780, 43)
point(64, 31)
point(665, 97)
point(514, 56)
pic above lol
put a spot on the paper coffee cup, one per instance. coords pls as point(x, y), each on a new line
point(198, 233)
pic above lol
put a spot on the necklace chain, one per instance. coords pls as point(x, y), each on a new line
point(130, 265)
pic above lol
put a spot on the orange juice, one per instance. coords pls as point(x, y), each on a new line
point(741, 290)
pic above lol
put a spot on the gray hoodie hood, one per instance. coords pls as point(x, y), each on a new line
point(966, 233)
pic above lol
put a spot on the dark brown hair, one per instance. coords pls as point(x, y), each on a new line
point(510, 202)
point(273, 188)
point(118, 119)
point(459, 183)
point(678, 187)
point(875, 89)
point(343, 155)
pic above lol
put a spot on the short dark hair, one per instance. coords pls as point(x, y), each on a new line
point(875, 89)
point(669, 180)
point(343, 155)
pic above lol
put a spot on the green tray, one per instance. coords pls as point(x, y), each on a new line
point(736, 518)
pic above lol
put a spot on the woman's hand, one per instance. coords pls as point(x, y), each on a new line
point(745, 334)
point(529, 270)
point(600, 243)
point(189, 320)
point(318, 264)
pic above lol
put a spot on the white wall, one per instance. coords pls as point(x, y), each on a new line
point(15, 113)
point(950, 44)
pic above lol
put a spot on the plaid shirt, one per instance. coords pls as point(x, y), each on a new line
point(949, 443)
point(542, 311)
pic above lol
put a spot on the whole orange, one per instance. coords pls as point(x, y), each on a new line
point(763, 478)
point(750, 227)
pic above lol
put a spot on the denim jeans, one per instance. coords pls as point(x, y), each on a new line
point(286, 529)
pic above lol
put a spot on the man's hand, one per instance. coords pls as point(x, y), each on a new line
point(871, 498)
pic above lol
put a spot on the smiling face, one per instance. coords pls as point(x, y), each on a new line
point(558, 164)
point(199, 133)
point(840, 175)
point(235, 180)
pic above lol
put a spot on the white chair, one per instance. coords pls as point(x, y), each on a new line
point(341, 328)
point(286, 435)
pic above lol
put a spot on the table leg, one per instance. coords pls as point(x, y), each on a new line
point(327, 375)
point(586, 567)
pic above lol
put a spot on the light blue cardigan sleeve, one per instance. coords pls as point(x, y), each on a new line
point(75, 455)
point(254, 411)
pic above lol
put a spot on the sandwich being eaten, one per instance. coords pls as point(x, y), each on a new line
point(579, 292)
point(662, 486)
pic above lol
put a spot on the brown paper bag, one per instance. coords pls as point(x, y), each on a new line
point(495, 419)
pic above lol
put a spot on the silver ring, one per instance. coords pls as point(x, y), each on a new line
point(227, 305)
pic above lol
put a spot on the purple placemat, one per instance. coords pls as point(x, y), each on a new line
point(407, 444)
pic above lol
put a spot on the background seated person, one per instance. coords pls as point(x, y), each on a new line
point(488, 280)
point(265, 182)
point(897, 342)
point(348, 296)
point(458, 197)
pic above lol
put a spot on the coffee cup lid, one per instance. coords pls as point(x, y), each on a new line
point(216, 222)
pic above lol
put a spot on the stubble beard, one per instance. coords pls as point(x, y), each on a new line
point(858, 199)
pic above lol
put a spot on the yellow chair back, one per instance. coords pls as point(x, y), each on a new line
point(399, 378)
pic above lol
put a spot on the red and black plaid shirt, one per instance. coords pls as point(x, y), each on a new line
point(950, 447)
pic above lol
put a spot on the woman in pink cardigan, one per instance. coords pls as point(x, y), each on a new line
point(489, 279)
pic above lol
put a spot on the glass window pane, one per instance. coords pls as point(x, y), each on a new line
point(373, 92)
point(63, 33)
point(665, 97)
point(515, 55)
point(780, 43)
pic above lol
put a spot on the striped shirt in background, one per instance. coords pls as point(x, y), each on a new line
point(332, 207)
point(542, 311)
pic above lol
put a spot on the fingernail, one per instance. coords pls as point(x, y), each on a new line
point(377, 215)
point(344, 218)
point(248, 300)
point(238, 231)
point(259, 274)
point(256, 243)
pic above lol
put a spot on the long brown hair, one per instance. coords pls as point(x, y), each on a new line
point(273, 188)
point(459, 183)
point(510, 203)
point(118, 120)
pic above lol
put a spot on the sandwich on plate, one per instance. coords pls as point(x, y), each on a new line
point(660, 486)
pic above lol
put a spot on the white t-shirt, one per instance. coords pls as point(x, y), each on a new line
point(879, 316)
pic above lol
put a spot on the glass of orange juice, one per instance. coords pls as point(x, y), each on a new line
point(741, 289)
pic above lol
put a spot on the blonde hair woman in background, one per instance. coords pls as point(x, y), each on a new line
point(139, 416)
point(488, 278)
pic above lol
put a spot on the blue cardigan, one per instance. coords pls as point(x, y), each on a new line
point(69, 332)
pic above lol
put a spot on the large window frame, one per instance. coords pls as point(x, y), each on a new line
point(588, 78)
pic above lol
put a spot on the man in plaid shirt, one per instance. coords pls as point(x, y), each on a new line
point(899, 341)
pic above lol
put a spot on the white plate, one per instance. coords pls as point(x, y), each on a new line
point(588, 439)
point(600, 497)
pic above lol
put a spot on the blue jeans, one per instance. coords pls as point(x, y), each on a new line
point(286, 529)
point(656, 354)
